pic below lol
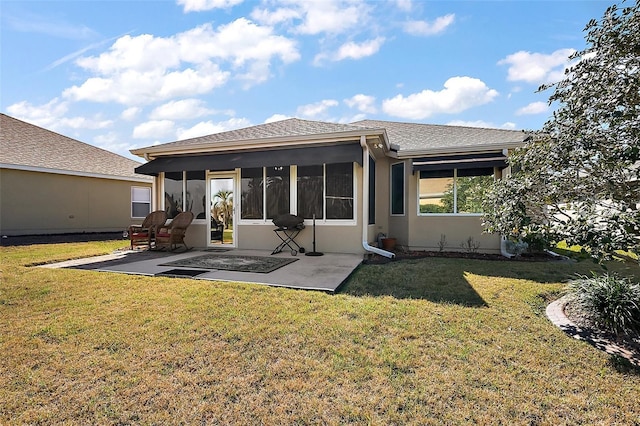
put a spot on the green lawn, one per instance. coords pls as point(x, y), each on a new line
point(427, 341)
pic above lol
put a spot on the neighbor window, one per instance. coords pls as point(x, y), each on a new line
point(372, 191)
point(457, 191)
point(140, 201)
point(397, 188)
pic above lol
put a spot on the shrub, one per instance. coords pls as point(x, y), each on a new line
point(609, 301)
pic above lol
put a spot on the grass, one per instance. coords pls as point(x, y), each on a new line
point(427, 341)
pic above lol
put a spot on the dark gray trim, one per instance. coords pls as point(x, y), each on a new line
point(466, 161)
point(350, 152)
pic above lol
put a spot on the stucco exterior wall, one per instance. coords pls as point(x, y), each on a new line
point(47, 203)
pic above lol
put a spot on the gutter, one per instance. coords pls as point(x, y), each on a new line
point(365, 203)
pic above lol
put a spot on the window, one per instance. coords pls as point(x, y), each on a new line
point(372, 191)
point(277, 191)
point(457, 191)
point(397, 188)
point(324, 190)
point(196, 197)
point(172, 193)
point(339, 190)
point(310, 189)
point(251, 182)
point(140, 201)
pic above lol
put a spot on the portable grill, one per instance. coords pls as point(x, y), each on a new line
point(288, 226)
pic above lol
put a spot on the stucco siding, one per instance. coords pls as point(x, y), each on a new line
point(48, 203)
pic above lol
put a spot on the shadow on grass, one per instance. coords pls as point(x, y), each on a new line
point(443, 280)
point(413, 279)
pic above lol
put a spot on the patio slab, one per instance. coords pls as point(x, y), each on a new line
point(324, 273)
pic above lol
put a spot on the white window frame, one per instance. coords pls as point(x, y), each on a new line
point(455, 199)
point(293, 200)
point(134, 200)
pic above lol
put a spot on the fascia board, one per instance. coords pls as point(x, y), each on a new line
point(407, 154)
point(141, 179)
point(278, 142)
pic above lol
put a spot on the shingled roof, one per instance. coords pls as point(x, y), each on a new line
point(434, 137)
point(406, 138)
point(284, 129)
point(26, 146)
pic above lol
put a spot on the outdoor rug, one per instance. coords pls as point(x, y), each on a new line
point(258, 264)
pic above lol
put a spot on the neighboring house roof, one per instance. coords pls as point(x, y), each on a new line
point(408, 139)
point(286, 131)
point(415, 138)
point(25, 146)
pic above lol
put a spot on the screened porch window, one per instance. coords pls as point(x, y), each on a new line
point(324, 190)
point(173, 194)
point(277, 191)
point(252, 199)
point(457, 191)
point(310, 188)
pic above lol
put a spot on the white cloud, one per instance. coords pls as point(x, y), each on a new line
point(208, 128)
point(314, 17)
point(404, 5)
point(202, 5)
point(363, 103)
point(352, 50)
point(482, 124)
point(154, 129)
point(145, 69)
point(533, 108)
point(276, 117)
point(181, 110)
point(537, 67)
point(130, 113)
point(52, 116)
point(426, 28)
point(317, 109)
point(459, 94)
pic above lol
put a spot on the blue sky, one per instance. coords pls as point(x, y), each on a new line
point(127, 74)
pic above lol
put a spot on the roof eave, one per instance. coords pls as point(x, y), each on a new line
point(412, 153)
point(274, 142)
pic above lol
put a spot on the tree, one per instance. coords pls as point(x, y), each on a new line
point(577, 179)
point(223, 207)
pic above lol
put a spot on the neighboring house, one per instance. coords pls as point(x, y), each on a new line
point(52, 184)
point(418, 183)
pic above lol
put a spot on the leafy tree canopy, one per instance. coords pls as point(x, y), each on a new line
point(577, 179)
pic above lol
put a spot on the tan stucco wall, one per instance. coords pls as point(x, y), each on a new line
point(48, 203)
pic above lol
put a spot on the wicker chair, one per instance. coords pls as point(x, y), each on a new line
point(172, 235)
point(145, 234)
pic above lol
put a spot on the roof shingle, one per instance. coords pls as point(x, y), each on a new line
point(24, 144)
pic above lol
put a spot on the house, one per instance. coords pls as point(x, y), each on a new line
point(421, 184)
point(52, 184)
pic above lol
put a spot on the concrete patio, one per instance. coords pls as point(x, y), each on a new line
point(323, 273)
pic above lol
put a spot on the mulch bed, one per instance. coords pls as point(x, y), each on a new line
point(629, 342)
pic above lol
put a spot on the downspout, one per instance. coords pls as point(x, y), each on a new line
point(365, 202)
point(503, 248)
